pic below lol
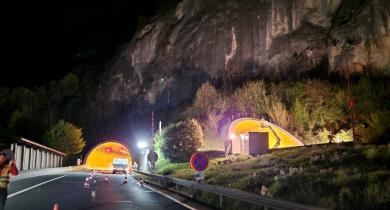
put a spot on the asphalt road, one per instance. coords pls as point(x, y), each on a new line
point(70, 193)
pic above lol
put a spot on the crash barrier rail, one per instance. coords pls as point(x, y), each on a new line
point(47, 171)
point(189, 188)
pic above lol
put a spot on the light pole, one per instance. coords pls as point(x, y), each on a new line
point(142, 145)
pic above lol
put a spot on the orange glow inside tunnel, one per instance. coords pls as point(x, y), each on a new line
point(101, 156)
point(246, 125)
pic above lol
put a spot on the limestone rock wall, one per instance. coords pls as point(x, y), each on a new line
point(230, 40)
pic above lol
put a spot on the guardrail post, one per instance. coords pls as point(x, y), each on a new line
point(32, 158)
point(220, 201)
point(192, 192)
point(262, 202)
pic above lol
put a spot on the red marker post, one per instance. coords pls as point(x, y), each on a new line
point(351, 103)
point(55, 207)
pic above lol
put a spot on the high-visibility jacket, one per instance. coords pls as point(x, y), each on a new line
point(4, 174)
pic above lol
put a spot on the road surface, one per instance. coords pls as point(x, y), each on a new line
point(70, 192)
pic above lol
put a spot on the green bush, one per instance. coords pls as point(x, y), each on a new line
point(379, 176)
point(181, 140)
point(346, 199)
point(377, 196)
point(378, 155)
point(304, 188)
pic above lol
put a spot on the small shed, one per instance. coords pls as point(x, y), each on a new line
point(253, 143)
point(250, 135)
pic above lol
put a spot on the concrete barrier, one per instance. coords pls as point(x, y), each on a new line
point(47, 171)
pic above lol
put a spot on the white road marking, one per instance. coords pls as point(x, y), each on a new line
point(170, 197)
point(22, 191)
point(113, 202)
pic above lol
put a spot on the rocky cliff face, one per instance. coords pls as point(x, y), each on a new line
point(359, 38)
point(235, 40)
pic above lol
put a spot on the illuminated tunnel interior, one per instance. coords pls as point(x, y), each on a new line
point(101, 156)
point(243, 126)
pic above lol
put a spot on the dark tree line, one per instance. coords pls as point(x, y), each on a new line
point(32, 112)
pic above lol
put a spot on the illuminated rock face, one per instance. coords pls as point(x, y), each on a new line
point(232, 41)
point(235, 40)
point(101, 156)
point(278, 137)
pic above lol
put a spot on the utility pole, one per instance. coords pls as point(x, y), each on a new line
point(152, 129)
point(159, 127)
point(351, 105)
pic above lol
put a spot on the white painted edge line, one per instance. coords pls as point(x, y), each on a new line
point(22, 191)
point(172, 198)
point(113, 202)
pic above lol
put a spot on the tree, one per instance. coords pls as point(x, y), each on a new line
point(255, 99)
point(376, 127)
point(250, 98)
point(65, 137)
point(207, 100)
point(181, 140)
point(372, 109)
point(318, 109)
point(21, 106)
point(208, 107)
point(277, 111)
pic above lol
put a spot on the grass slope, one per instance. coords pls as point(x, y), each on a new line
point(333, 176)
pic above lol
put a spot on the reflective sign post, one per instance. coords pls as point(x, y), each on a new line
point(199, 161)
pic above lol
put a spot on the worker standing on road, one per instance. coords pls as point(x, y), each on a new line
point(7, 167)
point(141, 181)
point(93, 189)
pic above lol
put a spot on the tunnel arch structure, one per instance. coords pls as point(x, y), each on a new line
point(100, 157)
point(278, 137)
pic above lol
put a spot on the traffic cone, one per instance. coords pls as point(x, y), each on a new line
point(55, 207)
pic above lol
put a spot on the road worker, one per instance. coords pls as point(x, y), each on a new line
point(93, 189)
point(141, 181)
point(7, 167)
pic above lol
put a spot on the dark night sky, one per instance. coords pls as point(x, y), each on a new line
point(41, 42)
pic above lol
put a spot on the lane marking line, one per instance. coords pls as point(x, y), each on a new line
point(114, 202)
point(22, 191)
point(170, 197)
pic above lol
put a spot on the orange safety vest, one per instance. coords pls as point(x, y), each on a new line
point(4, 176)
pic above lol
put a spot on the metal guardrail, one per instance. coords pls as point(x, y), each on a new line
point(266, 202)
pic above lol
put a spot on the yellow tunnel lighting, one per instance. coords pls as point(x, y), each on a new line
point(101, 156)
point(246, 125)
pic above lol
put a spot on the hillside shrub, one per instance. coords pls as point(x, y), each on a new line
point(180, 140)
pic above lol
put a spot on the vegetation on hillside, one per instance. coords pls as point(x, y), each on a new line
point(316, 111)
point(333, 176)
point(208, 107)
point(31, 112)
